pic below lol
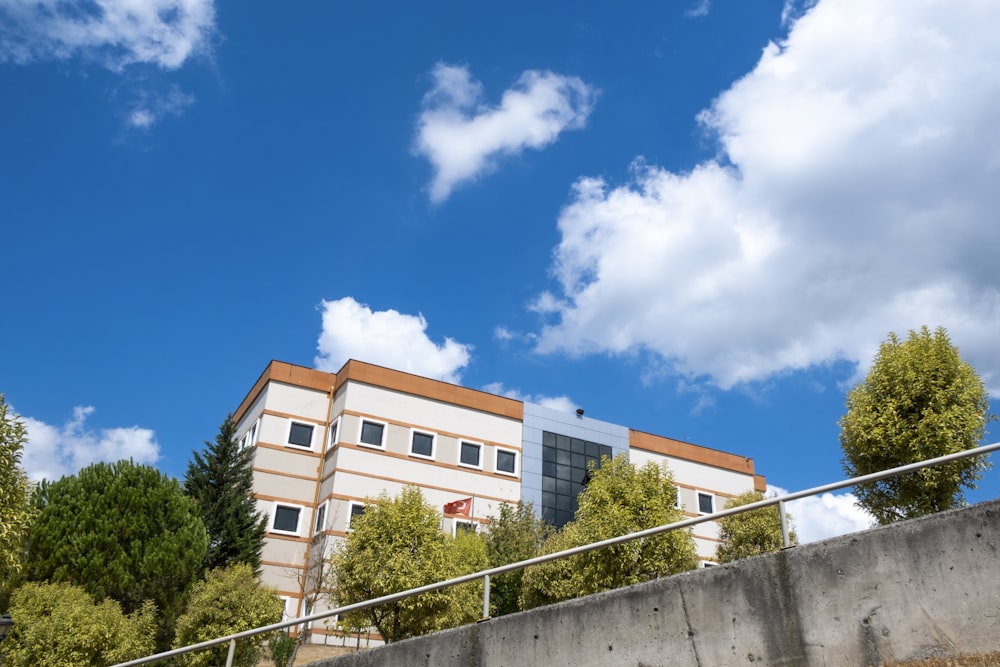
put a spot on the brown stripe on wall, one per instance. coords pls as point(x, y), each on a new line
point(659, 444)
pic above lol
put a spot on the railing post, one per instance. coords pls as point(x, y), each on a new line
point(232, 653)
point(486, 597)
point(784, 524)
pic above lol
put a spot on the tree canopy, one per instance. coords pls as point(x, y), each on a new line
point(15, 510)
point(750, 533)
point(619, 499)
point(122, 531)
point(398, 544)
point(60, 625)
point(919, 401)
point(220, 479)
point(228, 600)
point(515, 534)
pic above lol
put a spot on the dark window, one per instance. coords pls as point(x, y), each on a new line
point(465, 527)
point(356, 511)
point(333, 433)
point(506, 461)
point(705, 504)
point(565, 465)
point(320, 518)
point(371, 433)
point(470, 454)
point(300, 435)
point(423, 444)
point(286, 518)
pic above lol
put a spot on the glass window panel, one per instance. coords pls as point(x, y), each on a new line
point(564, 472)
point(300, 434)
point(705, 504)
point(549, 454)
point(563, 457)
point(371, 433)
point(562, 517)
point(562, 442)
point(423, 444)
point(506, 461)
point(286, 518)
point(593, 450)
point(548, 484)
point(606, 451)
point(578, 446)
point(356, 511)
point(548, 469)
point(548, 439)
point(563, 503)
point(548, 500)
point(470, 454)
point(564, 487)
point(579, 461)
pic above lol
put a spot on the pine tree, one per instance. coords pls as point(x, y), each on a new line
point(220, 479)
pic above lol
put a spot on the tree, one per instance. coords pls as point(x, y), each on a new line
point(619, 499)
point(15, 509)
point(750, 533)
point(60, 625)
point(516, 534)
point(398, 544)
point(919, 401)
point(122, 531)
point(220, 479)
point(228, 600)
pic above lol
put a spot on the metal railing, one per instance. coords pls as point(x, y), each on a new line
point(485, 575)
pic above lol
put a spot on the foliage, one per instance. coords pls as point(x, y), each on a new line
point(15, 509)
point(919, 401)
point(60, 625)
point(397, 544)
point(228, 600)
point(619, 499)
point(122, 531)
point(750, 533)
point(220, 479)
point(515, 535)
point(282, 648)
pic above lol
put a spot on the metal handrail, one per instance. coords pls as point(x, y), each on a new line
point(486, 574)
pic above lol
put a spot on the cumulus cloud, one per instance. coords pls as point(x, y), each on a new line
point(115, 33)
point(55, 451)
point(827, 515)
point(560, 403)
point(463, 138)
point(150, 107)
point(854, 193)
point(699, 9)
point(351, 330)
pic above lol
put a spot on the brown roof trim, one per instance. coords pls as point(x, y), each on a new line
point(759, 483)
point(386, 378)
point(684, 450)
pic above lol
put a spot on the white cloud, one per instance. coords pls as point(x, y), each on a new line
point(150, 107)
point(560, 403)
point(826, 515)
point(388, 338)
point(54, 451)
point(854, 193)
point(115, 33)
point(700, 8)
point(462, 138)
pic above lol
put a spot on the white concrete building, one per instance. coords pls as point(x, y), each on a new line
point(325, 442)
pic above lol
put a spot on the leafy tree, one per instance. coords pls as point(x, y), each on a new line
point(515, 535)
point(619, 499)
point(60, 625)
point(919, 401)
point(122, 531)
point(228, 600)
point(397, 544)
point(220, 479)
point(15, 509)
point(750, 533)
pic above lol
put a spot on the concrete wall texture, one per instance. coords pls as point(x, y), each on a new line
point(923, 588)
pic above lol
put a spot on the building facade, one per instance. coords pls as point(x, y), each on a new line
point(325, 442)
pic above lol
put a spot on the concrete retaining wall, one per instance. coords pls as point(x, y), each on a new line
point(928, 587)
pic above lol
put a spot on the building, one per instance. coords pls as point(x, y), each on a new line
point(325, 442)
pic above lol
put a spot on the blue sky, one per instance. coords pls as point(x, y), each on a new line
point(698, 219)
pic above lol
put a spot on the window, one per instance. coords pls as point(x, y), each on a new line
point(464, 527)
point(332, 437)
point(300, 435)
point(320, 518)
point(249, 438)
point(422, 444)
point(566, 463)
point(357, 510)
point(286, 519)
point(706, 503)
point(372, 433)
point(469, 454)
point(506, 461)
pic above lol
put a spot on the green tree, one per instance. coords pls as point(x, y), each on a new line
point(398, 544)
point(619, 499)
point(750, 533)
point(919, 401)
point(60, 625)
point(15, 509)
point(220, 479)
point(122, 531)
point(228, 600)
point(516, 534)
